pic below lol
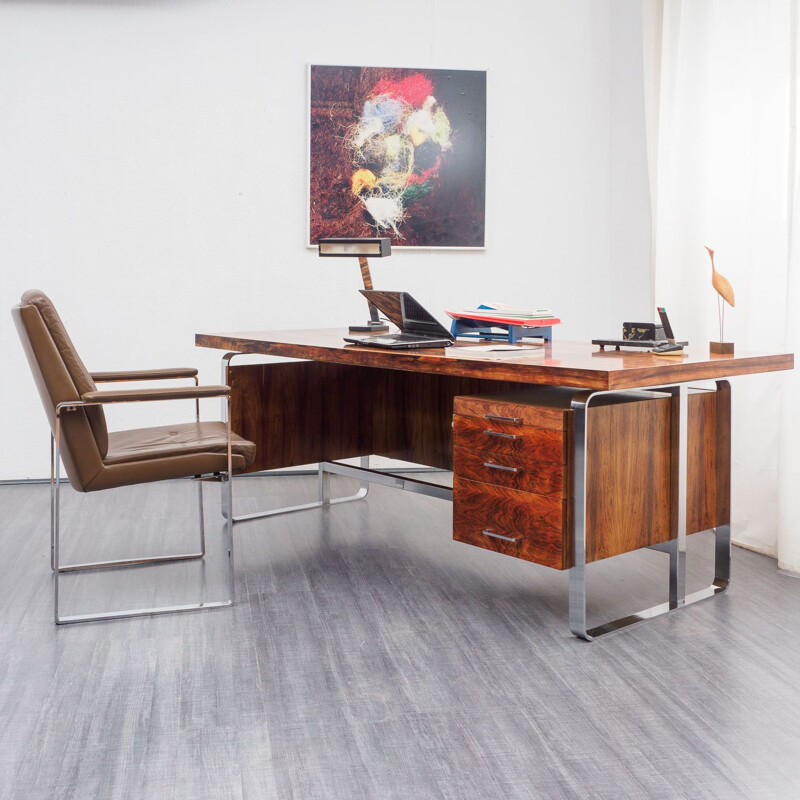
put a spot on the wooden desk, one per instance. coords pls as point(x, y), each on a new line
point(343, 401)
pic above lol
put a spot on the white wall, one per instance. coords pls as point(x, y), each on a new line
point(153, 173)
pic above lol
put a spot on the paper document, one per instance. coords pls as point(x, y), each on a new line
point(484, 350)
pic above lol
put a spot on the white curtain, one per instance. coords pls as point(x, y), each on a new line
point(721, 81)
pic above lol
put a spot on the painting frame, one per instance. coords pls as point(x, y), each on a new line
point(398, 152)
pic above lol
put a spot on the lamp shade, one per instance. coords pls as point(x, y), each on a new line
point(374, 248)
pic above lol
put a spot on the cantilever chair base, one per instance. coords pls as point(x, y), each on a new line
point(58, 569)
point(149, 612)
point(61, 619)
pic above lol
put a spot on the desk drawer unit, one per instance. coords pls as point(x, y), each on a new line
point(512, 472)
point(509, 477)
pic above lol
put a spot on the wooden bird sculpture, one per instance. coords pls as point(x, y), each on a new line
point(724, 290)
point(720, 283)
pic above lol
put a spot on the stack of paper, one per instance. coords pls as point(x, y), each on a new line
point(508, 315)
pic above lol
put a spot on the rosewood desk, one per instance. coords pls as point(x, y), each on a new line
point(343, 401)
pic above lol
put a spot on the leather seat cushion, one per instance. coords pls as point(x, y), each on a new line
point(174, 440)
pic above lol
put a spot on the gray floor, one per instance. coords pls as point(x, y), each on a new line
point(369, 656)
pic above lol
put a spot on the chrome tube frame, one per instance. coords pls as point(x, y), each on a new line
point(55, 534)
point(323, 477)
point(676, 547)
point(122, 562)
point(385, 479)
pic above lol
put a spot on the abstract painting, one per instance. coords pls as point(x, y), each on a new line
point(398, 153)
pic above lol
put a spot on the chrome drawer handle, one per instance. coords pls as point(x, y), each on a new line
point(490, 465)
point(515, 420)
point(487, 532)
point(502, 435)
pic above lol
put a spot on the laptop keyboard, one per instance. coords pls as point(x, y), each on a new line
point(404, 337)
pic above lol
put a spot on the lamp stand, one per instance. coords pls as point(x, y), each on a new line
point(374, 324)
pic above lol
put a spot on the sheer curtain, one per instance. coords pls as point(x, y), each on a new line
point(721, 81)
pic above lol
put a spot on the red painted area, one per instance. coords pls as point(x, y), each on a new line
point(413, 90)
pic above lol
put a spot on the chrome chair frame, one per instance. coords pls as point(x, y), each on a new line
point(55, 525)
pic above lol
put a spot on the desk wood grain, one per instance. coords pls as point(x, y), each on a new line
point(574, 364)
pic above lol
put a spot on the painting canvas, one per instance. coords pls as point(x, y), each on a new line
point(398, 153)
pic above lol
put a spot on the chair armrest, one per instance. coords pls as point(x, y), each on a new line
point(144, 374)
point(171, 393)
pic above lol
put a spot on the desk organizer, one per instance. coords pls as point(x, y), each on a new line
point(479, 329)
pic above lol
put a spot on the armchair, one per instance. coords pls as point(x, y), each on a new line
point(96, 459)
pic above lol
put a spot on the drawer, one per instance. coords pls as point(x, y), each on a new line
point(519, 524)
point(511, 471)
point(493, 436)
point(540, 407)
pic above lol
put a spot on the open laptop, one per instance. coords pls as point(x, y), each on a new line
point(418, 328)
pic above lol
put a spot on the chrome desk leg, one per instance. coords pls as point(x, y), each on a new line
point(325, 500)
point(676, 547)
point(577, 573)
point(677, 552)
point(323, 477)
point(324, 481)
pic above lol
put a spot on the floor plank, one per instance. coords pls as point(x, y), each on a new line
point(370, 656)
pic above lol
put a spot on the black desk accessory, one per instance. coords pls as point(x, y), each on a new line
point(658, 337)
point(671, 347)
point(360, 248)
point(643, 331)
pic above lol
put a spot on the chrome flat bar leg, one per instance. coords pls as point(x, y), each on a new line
point(202, 518)
point(577, 573)
point(323, 477)
point(363, 489)
point(324, 480)
point(392, 480)
point(226, 500)
point(676, 547)
point(722, 556)
point(722, 566)
point(325, 500)
point(677, 551)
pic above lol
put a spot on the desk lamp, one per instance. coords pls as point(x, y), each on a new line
point(360, 248)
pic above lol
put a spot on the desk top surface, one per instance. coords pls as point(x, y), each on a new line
point(573, 364)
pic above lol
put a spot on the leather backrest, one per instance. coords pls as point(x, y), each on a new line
point(61, 376)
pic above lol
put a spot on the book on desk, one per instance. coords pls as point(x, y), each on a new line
point(498, 321)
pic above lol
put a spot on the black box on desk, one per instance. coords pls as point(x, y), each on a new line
point(643, 331)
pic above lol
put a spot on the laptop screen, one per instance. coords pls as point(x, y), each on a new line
point(405, 312)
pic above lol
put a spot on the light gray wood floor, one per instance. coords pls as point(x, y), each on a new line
point(370, 656)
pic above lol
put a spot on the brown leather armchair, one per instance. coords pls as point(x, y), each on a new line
point(95, 458)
